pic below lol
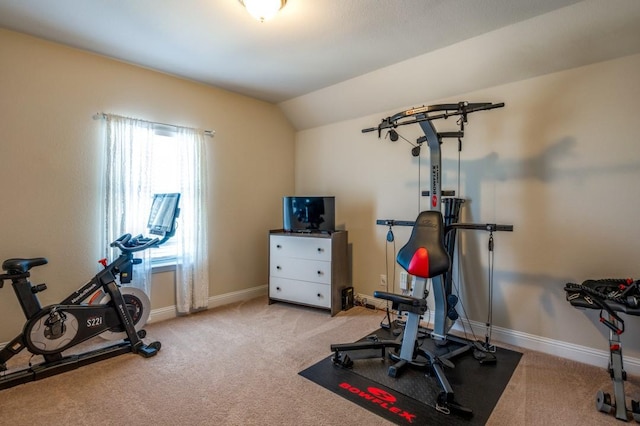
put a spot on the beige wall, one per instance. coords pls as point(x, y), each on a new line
point(561, 162)
point(51, 152)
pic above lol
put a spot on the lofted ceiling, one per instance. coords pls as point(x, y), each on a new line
point(316, 51)
point(309, 45)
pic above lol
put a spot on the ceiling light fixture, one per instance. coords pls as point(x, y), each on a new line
point(263, 10)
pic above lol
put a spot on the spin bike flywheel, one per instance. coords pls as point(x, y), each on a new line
point(139, 308)
point(55, 328)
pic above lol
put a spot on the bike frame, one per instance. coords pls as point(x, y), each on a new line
point(104, 317)
point(51, 330)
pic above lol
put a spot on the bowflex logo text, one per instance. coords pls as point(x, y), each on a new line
point(381, 398)
point(435, 184)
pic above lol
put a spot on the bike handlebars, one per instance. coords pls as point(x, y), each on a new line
point(127, 244)
point(418, 114)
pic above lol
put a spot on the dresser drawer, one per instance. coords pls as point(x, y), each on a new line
point(300, 269)
point(300, 292)
point(300, 247)
point(308, 269)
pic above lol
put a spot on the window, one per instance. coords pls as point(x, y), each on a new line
point(144, 158)
point(165, 178)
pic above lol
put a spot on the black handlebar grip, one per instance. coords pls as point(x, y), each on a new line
point(149, 243)
point(370, 129)
point(120, 242)
point(483, 106)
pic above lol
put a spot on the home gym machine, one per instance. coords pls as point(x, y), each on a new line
point(427, 256)
point(99, 308)
point(611, 297)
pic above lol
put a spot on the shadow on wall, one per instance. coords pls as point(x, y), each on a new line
point(546, 303)
point(545, 167)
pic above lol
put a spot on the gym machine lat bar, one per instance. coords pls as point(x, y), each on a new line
point(419, 114)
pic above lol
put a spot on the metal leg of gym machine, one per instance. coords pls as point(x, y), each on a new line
point(618, 376)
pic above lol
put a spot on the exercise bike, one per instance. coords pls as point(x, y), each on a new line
point(427, 256)
point(99, 308)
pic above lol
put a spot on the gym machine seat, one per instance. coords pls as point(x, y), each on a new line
point(424, 256)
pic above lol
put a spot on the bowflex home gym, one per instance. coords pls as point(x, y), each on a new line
point(102, 307)
point(427, 256)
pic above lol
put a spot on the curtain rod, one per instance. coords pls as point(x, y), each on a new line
point(102, 115)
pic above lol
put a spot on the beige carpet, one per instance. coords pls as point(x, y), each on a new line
point(239, 364)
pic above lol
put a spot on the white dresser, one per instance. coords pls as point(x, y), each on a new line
point(308, 269)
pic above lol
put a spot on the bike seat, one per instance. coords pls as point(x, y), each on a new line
point(20, 266)
point(425, 254)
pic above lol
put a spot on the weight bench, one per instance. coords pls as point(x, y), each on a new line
point(611, 297)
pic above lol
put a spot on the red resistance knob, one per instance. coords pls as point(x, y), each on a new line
point(103, 262)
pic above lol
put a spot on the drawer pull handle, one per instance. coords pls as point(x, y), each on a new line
point(319, 295)
point(278, 246)
point(278, 288)
point(278, 267)
point(319, 272)
point(320, 249)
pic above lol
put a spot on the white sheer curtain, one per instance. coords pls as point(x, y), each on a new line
point(192, 267)
point(128, 184)
point(129, 188)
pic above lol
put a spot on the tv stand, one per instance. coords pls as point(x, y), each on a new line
point(308, 268)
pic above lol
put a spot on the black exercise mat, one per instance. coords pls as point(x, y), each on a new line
point(411, 398)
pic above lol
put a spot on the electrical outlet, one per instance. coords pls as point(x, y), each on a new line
point(383, 280)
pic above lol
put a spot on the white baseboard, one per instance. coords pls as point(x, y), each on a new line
point(162, 314)
point(169, 312)
point(583, 354)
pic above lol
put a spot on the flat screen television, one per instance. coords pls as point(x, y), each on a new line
point(309, 214)
point(164, 211)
